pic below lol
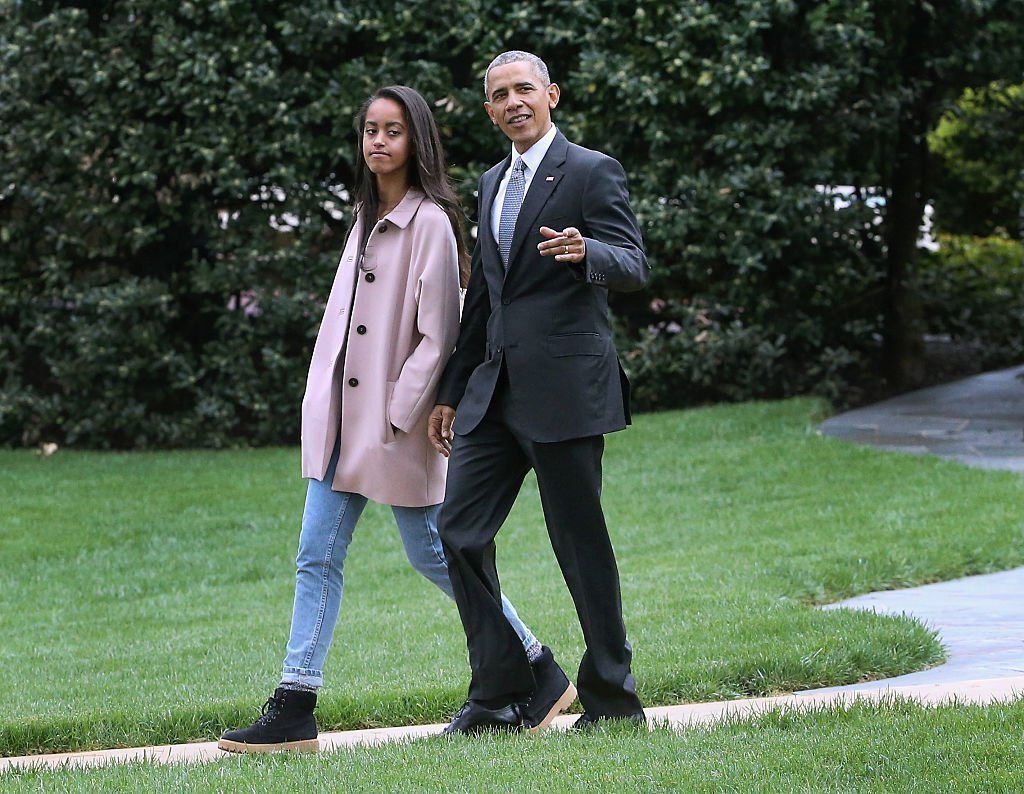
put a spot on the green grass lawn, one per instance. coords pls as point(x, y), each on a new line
point(145, 597)
point(894, 747)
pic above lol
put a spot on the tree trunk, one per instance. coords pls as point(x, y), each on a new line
point(903, 343)
point(903, 346)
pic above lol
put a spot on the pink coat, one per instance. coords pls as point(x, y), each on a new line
point(402, 315)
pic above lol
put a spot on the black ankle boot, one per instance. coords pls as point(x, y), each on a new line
point(287, 724)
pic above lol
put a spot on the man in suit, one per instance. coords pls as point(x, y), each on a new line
point(535, 383)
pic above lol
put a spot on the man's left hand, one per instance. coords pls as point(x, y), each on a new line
point(439, 428)
point(567, 245)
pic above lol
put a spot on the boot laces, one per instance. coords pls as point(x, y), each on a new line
point(270, 710)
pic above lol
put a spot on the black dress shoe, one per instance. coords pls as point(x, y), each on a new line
point(474, 718)
point(554, 693)
point(590, 722)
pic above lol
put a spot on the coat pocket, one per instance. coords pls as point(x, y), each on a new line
point(577, 344)
point(389, 429)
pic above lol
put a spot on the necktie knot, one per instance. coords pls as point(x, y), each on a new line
point(514, 192)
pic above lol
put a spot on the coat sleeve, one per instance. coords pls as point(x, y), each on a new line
point(615, 255)
point(435, 260)
point(471, 348)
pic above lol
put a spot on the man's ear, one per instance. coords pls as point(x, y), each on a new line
point(553, 94)
point(490, 113)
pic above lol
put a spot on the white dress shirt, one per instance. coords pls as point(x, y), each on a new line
point(531, 162)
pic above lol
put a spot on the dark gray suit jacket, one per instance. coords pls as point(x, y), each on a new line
point(547, 321)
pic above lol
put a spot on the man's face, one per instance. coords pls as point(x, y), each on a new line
point(520, 104)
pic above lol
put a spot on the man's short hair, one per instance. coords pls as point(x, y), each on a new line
point(512, 56)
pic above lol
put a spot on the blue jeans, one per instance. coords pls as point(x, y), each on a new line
point(328, 521)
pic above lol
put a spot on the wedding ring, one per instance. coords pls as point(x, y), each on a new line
point(566, 249)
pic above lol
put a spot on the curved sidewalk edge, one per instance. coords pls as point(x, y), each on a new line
point(963, 692)
point(978, 620)
point(978, 421)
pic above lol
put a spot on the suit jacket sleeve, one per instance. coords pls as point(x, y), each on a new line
point(471, 348)
point(615, 255)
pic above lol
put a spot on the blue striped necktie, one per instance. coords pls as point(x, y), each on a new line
point(510, 209)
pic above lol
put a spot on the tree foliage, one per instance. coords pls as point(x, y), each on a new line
point(932, 52)
point(176, 174)
point(972, 287)
point(979, 182)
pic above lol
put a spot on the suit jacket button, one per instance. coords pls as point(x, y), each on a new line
point(353, 381)
point(506, 301)
point(370, 277)
point(361, 329)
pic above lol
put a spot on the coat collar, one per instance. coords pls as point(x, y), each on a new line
point(403, 214)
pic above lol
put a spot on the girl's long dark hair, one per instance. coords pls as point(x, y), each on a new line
point(427, 169)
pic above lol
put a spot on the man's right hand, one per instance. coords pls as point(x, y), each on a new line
point(439, 428)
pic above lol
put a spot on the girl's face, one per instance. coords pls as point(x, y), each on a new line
point(386, 145)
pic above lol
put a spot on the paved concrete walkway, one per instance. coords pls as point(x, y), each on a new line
point(979, 421)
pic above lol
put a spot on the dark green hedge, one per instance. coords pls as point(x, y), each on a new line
point(174, 174)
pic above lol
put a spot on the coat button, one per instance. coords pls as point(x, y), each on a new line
point(353, 381)
point(360, 329)
point(370, 277)
point(383, 227)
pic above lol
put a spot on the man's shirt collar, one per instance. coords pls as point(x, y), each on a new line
point(533, 156)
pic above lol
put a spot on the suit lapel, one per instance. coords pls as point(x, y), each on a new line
point(549, 173)
point(488, 190)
